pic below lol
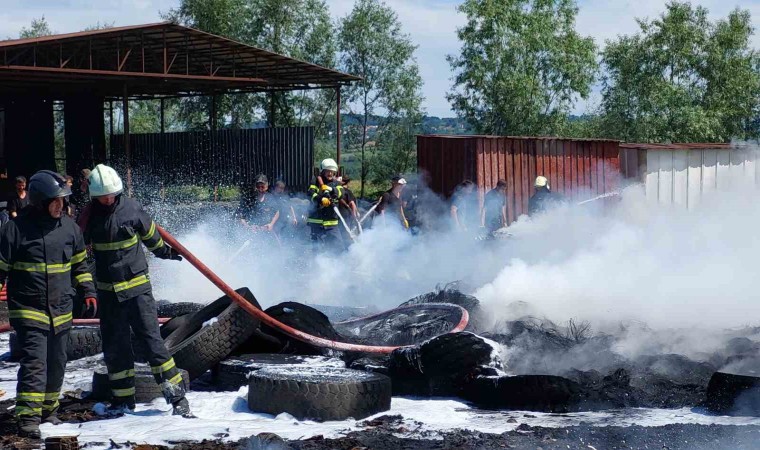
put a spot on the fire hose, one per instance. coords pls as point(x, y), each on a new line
point(272, 322)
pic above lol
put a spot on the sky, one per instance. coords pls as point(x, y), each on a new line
point(432, 25)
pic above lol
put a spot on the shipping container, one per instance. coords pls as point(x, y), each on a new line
point(681, 174)
point(578, 169)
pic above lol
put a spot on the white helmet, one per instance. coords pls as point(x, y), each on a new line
point(542, 182)
point(329, 164)
point(104, 181)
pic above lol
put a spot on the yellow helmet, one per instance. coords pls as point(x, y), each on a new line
point(541, 182)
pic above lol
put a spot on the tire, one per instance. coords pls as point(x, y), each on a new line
point(146, 388)
point(733, 394)
point(303, 318)
point(319, 393)
point(197, 348)
point(545, 393)
point(446, 355)
point(169, 327)
point(231, 374)
point(83, 342)
point(449, 294)
point(177, 309)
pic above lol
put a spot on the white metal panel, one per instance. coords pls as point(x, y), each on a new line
point(709, 170)
point(680, 178)
point(652, 176)
point(724, 180)
point(694, 182)
point(666, 177)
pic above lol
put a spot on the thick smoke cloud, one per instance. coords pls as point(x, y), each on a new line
point(660, 279)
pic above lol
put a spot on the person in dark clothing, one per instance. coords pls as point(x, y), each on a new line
point(5, 195)
point(391, 206)
point(544, 199)
point(495, 207)
point(42, 255)
point(260, 210)
point(19, 200)
point(115, 226)
point(288, 220)
point(347, 207)
point(465, 211)
point(323, 218)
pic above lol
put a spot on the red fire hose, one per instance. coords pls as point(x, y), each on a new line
point(272, 322)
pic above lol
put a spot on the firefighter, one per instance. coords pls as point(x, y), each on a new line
point(115, 227)
point(323, 219)
point(544, 199)
point(43, 257)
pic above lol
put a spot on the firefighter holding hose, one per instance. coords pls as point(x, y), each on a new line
point(325, 195)
point(42, 255)
point(116, 225)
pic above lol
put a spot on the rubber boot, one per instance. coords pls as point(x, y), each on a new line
point(51, 418)
point(174, 394)
point(29, 427)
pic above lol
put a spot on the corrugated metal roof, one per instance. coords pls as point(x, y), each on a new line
point(153, 59)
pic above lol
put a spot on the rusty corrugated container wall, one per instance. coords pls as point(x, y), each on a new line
point(578, 169)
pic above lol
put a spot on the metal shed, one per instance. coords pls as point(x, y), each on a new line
point(680, 174)
point(578, 169)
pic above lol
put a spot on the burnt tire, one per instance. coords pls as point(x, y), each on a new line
point(731, 394)
point(197, 348)
point(146, 388)
point(231, 374)
point(83, 342)
point(546, 393)
point(319, 393)
point(166, 309)
point(446, 355)
point(450, 294)
point(303, 318)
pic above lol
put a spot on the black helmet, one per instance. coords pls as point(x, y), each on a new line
point(47, 185)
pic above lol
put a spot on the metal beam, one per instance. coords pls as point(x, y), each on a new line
point(337, 125)
point(137, 75)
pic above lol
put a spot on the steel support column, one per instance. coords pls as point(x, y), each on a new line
point(127, 151)
point(337, 125)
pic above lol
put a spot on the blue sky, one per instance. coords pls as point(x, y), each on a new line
point(432, 25)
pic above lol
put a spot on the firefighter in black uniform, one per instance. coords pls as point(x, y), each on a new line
point(323, 218)
point(115, 227)
point(42, 255)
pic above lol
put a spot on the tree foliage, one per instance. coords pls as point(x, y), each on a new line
point(522, 66)
point(683, 78)
point(38, 28)
point(301, 29)
point(373, 46)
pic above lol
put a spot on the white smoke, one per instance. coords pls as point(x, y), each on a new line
point(663, 266)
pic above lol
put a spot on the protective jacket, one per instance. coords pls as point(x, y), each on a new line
point(115, 233)
point(324, 216)
point(43, 260)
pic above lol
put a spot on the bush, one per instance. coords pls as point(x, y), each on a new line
point(188, 193)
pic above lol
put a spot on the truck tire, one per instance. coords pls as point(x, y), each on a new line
point(146, 388)
point(177, 309)
point(175, 322)
point(231, 374)
point(733, 394)
point(545, 393)
point(197, 348)
point(319, 394)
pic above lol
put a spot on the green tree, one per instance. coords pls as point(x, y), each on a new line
point(38, 28)
point(522, 66)
point(373, 46)
point(300, 29)
point(682, 78)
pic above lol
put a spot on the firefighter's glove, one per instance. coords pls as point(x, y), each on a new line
point(325, 202)
point(90, 308)
point(174, 255)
